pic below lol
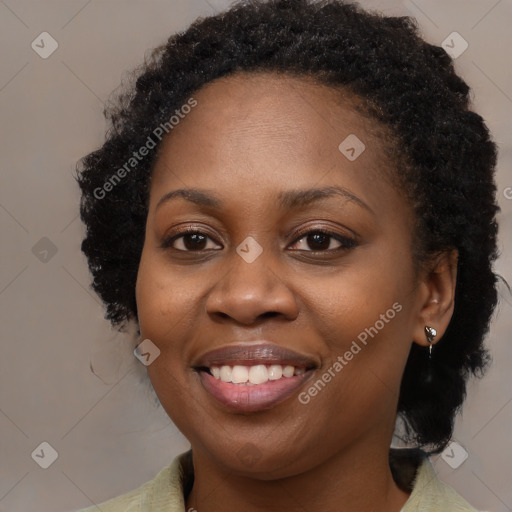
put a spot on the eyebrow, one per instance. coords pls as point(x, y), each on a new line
point(290, 199)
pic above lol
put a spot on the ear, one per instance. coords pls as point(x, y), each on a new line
point(436, 297)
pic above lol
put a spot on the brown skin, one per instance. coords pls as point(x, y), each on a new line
point(250, 137)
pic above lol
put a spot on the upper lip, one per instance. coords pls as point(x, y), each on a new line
point(252, 354)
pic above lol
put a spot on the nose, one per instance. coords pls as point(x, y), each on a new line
point(250, 292)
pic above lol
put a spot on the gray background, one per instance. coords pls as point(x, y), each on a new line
point(109, 435)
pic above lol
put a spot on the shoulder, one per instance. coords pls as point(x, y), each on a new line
point(429, 494)
point(163, 493)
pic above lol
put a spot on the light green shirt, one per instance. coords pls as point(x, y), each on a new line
point(165, 493)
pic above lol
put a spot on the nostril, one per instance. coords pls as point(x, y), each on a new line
point(269, 314)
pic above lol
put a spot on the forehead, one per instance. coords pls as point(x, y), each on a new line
point(268, 129)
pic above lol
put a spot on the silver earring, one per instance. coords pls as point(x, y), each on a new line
point(430, 333)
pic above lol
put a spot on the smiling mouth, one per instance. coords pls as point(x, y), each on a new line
point(250, 378)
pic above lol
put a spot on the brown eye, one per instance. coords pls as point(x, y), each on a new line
point(318, 241)
point(322, 241)
point(194, 241)
point(190, 241)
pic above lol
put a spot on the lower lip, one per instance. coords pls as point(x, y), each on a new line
point(241, 397)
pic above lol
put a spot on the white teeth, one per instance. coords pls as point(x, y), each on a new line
point(253, 375)
point(275, 372)
point(288, 371)
point(258, 374)
point(240, 374)
point(225, 373)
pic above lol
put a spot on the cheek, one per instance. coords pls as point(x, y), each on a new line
point(166, 301)
point(167, 304)
point(350, 301)
point(364, 316)
point(165, 311)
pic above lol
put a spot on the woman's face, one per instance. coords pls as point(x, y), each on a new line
point(259, 287)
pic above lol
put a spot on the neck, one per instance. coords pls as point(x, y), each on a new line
point(359, 478)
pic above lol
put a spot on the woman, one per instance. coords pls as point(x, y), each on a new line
point(296, 205)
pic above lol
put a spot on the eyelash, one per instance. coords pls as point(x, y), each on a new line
point(346, 243)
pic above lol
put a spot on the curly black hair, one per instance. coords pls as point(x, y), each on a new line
point(445, 162)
